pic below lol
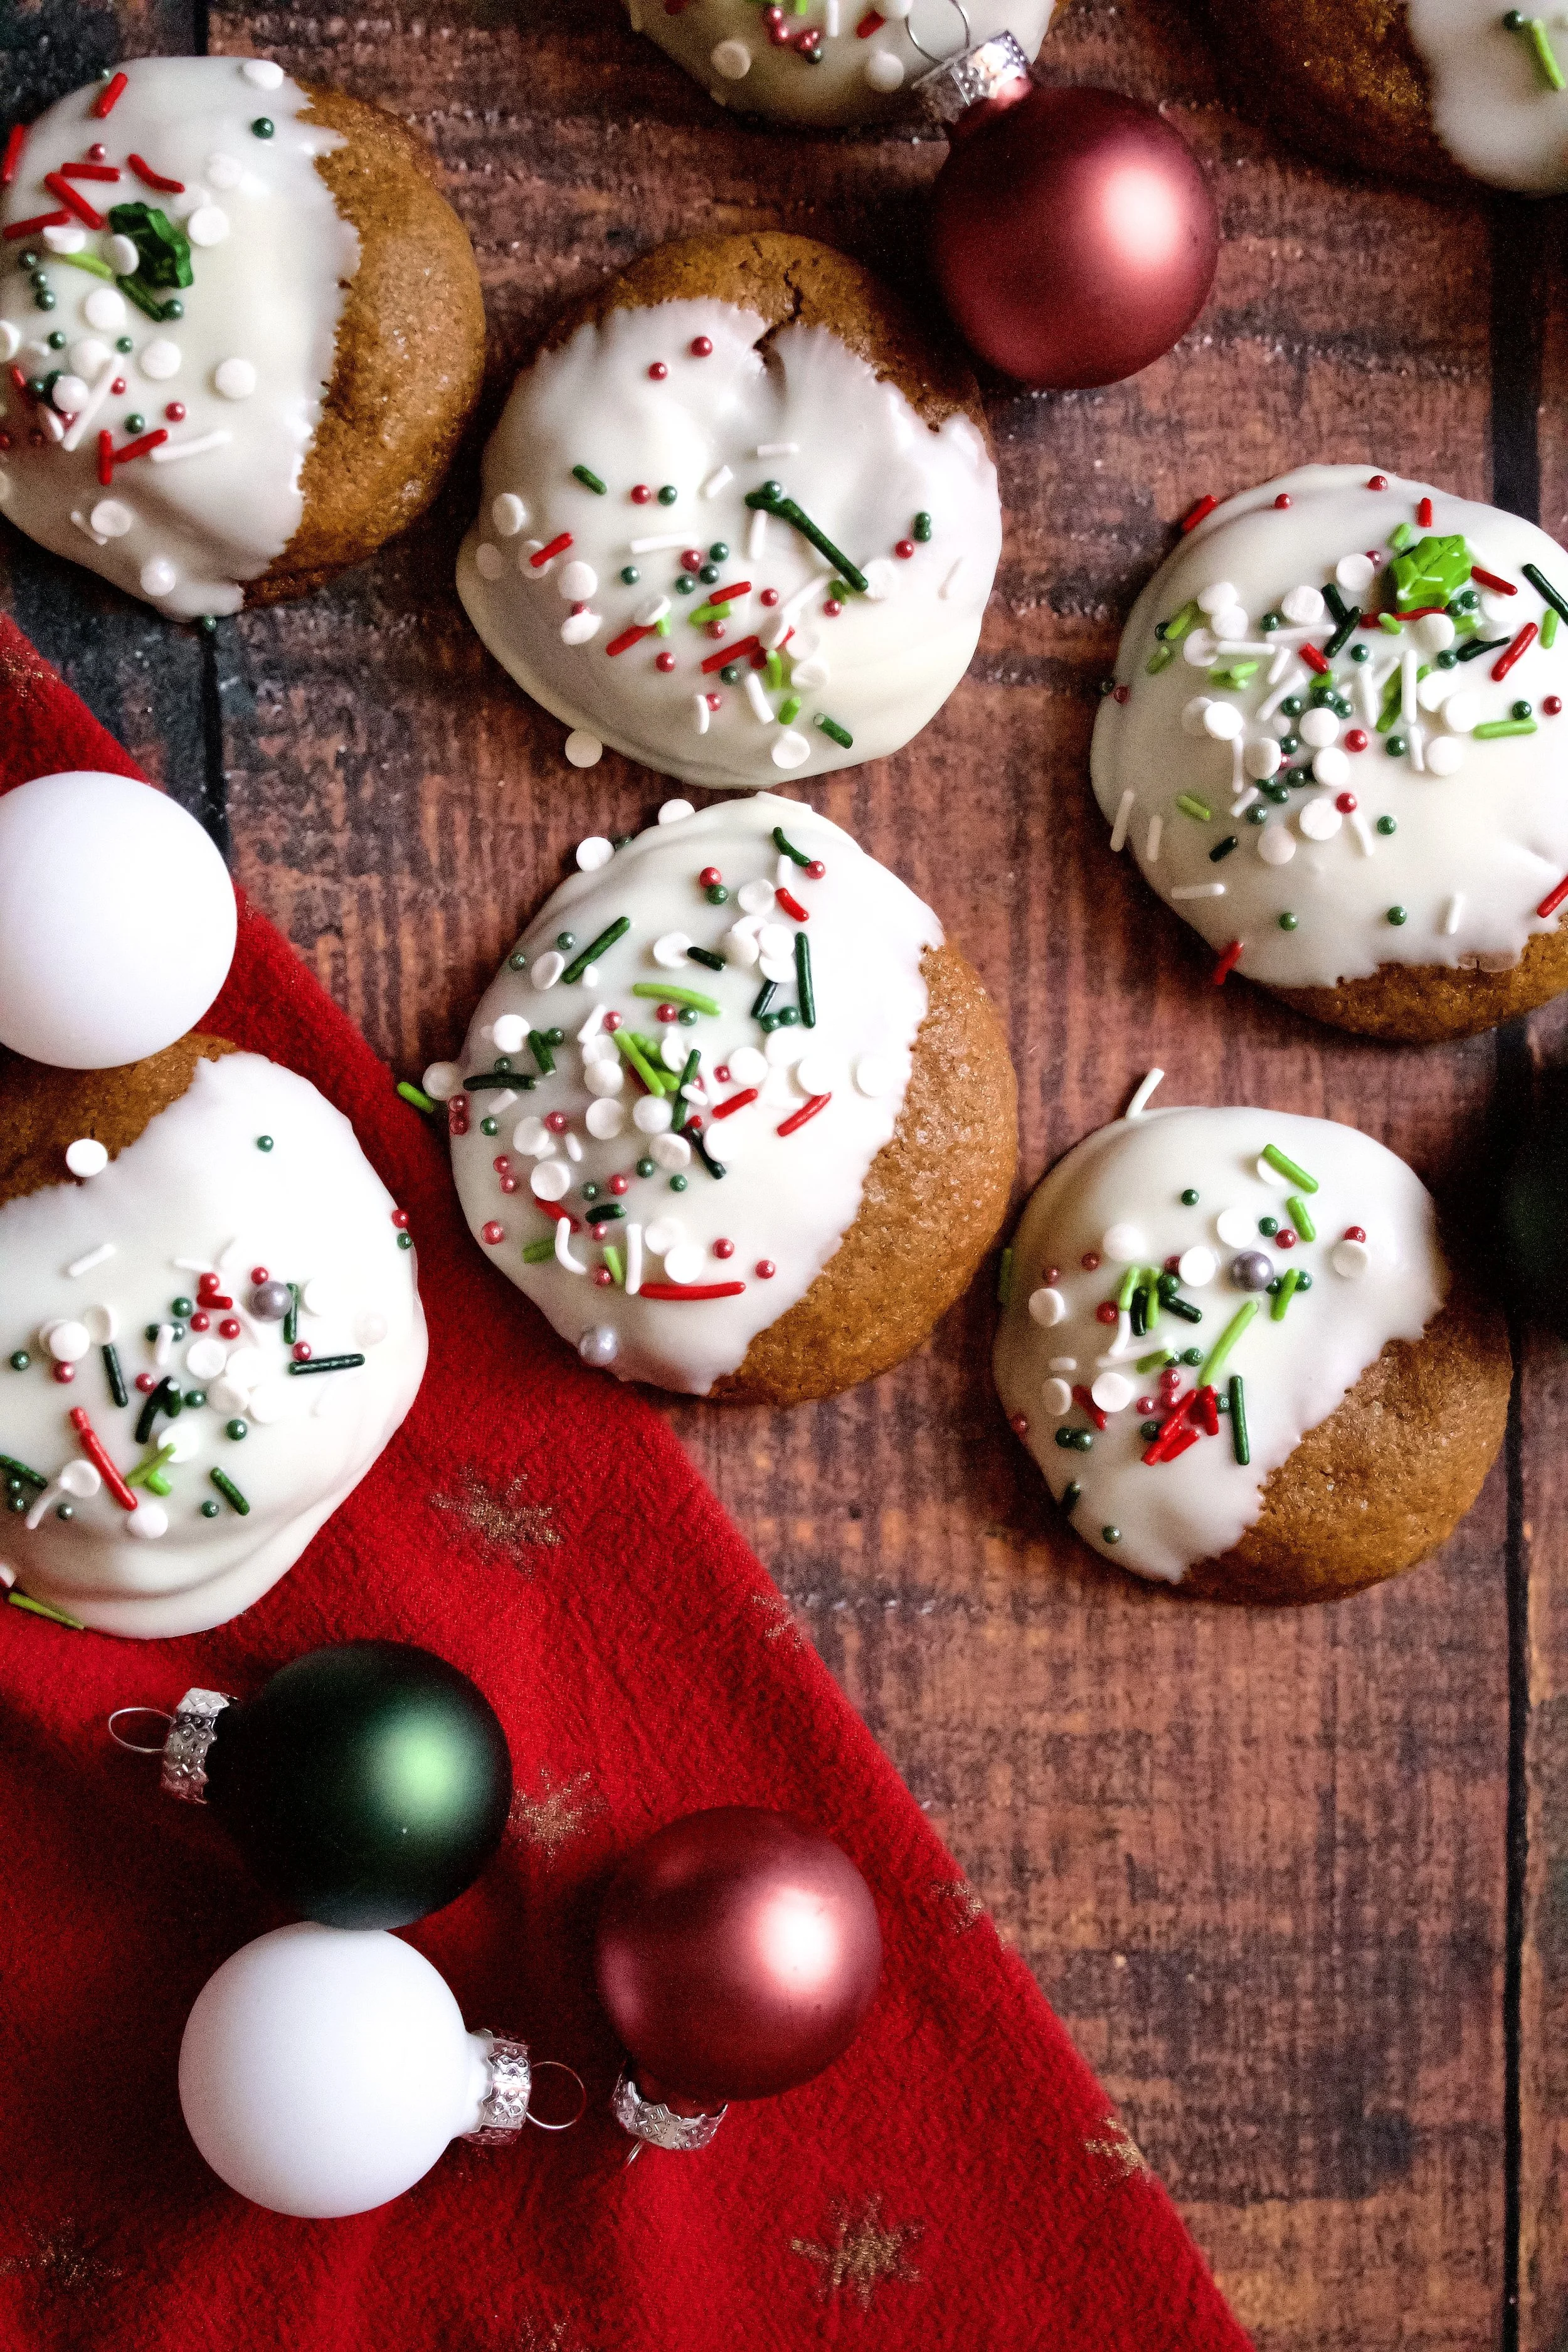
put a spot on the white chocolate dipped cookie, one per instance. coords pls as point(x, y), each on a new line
point(732, 1114)
point(826, 63)
point(735, 549)
point(1233, 1346)
point(241, 329)
point(212, 1326)
point(1332, 745)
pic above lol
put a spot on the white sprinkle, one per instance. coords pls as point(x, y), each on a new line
point(508, 513)
point(730, 58)
point(1451, 914)
point(1304, 604)
point(1407, 668)
point(1057, 1398)
point(207, 225)
point(758, 539)
point(1151, 846)
point(169, 453)
point(1296, 674)
point(655, 546)
point(1061, 1363)
point(159, 360)
point(830, 28)
point(669, 950)
point(595, 851)
point(1362, 832)
point(563, 1247)
point(671, 811)
point(576, 629)
point(1123, 818)
point(489, 562)
point(634, 1260)
point(262, 73)
point(86, 416)
point(548, 967)
point(790, 749)
point(105, 310)
point(224, 170)
point(158, 575)
point(1112, 1392)
point(583, 750)
point(1418, 749)
point(1140, 1102)
point(83, 525)
point(441, 1081)
point(649, 614)
point(507, 1033)
point(717, 482)
point(574, 1148)
point(94, 1257)
point(1047, 1307)
point(86, 1156)
point(1245, 801)
point(1350, 1259)
point(68, 238)
point(199, 1264)
point(777, 449)
point(950, 582)
point(703, 715)
point(759, 700)
point(1199, 890)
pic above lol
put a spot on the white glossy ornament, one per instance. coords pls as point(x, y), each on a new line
point(117, 921)
point(324, 2070)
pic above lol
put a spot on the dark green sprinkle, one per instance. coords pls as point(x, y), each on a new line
point(802, 981)
point(1333, 600)
point(717, 894)
point(715, 1166)
point(1238, 1437)
point(1269, 1227)
point(1150, 1429)
point(787, 1017)
point(323, 1364)
point(566, 942)
point(116, 1388)
point(56, 340)
point(1397, 915)
point(684, 583)
point(719, 550)
point(1480, 645)
point(181, 1306)
point(43, 300)
point(541, 1053)
point(20, 1361)
point(262, 128)
point(1396, 747)
point(228, 1490)
point(209, 1509)
point(1184, 1308)
point(196, 1399)
point(1071, 1492)
point(1223, 848)
point(595, 948)
point(923, 526)
point(1112, 1535)
point(645, 1166)
point(590, 1191)
point(606, 1208)
point(688, 1016)
point(831, 728)
point(264, 1143)
point(1289, 923)
point(589, 479)
point(485, 1081)
point(668, 494)
point(1344, 633)
point(1191, 1355)
point(1292, 706)
point(1189, 1198)
point(678, 1183)
point(764, 998)
point(1539, 581)
point(64, 1511)
point(1522, 710)
point(630, 575)
point(518, 961)
point(1364, 653)
point(405, 1241)
point(706, 956)
point(124, 344)
point(1387, 825)
point(136, 422)
point(15, 1469)
point(490, 1126)
point(732, 673)
point(708, 575)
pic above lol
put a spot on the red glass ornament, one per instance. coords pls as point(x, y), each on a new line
point(737, 1953)
point(1073, 236)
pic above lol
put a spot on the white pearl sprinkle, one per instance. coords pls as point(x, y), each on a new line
point(489, 562)
point(86, 1156)
point(158, 576)
point(160, 359)
point(262, 73)
point(595, 851)
point(235, 379)
point(549, 1179)
point(583, 750)
point(442, 1080)
point(122, 255)
point(209, 225)
point(733, 60)
point(672, 812)
point(1047, 1306)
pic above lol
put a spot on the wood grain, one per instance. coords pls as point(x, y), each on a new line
point(1259, 1863)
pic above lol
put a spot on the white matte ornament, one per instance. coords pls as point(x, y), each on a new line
point(117, 921)
point(324, 2070)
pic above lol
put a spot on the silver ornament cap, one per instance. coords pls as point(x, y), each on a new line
point(659, 2125)
point(504, 2110)
point(995, 70)
point(184, 1769)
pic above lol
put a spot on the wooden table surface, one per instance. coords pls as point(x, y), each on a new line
point(1298, 1883)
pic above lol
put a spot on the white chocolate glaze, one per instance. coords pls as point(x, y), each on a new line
point(849, 451)
point(1493, 104)
point(785, 1201)
point(756, 64)
point(195, 1193)
point(186, 524)
point(1480, 824)
point(1118, 1195)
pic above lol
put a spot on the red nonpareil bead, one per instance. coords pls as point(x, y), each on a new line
point(1172, 1265)
point(1552, 704)
point(97, 152)
point(1122, 694)
point(118, 386)
point(723, 1249)
point(400, 1218)
point(833, 608)
point(1106, 1311)
point(301, 1351)
point(906, 548)
point(668, 1012)
point(715, 702)
point(619, 1184)
point(508, 1184)
point(557, 1122)
point(665, 662)
point(1377, 482)
point(1283, 500)
point(770, 597)
point(691, 558)
point(229, 1328)
point(709, 878)
point(1019, 1425)
point(146, 1383)
point(261, 1274)
point(1050, 1273)
point(1145, 1405)
point(1284, 1238)
point(1355, 1234)
point(200, 1322)
point(722, 1074)
point(492, 1233)
point(500, 1164)
point(1346, 803)
point(767, 1269)
point(578, 608)
point(612, 1022)
point(640, 494)
point(714, 629)
point(700, 347)
point(657, 372)
point(175, 411)
point(65, 1372)
point(1089, 1261)
point(1356, 740)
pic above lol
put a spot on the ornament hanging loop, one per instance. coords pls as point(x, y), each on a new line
point(148, 1714)
point(558, 2067)
point(966, 43)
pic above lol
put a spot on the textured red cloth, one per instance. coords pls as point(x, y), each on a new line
point(956, 2180)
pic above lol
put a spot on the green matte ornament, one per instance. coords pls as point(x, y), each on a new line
point(367, 1784)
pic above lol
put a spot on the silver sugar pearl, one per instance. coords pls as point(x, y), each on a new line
point(599, 1345)
point(271, 1301)
point(1252, 1270)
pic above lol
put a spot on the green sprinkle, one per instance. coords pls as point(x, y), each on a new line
point(1111, 1535)
point(706, 956)
point(1131, 1281)
point(1173, 630)
point(663, 995)
point(595, 948)
point(633, 1052)
point(229, 1491)
point(536, 1253)
point(804, 988)
point(783, 843)
point(1005, 1279)
point(1190, 1198)
point(1304, 1225)
point(209, 1510)
point(764, 998)
point(326, 1364)
point(1284, 1294)
point(20, 1360)
point(1386, 622)
point(291, 1320)
point(1192, 807)
point(1071, 1493)
point(771, 501)
point(1540, 582)
point(922, 527)
point(1344, 633)
point(1233, 674)
point(236, 1429)
point(88, 261)
point(1550, 72)
point(261, 128)
point(1437, 567)
point(773, 672)
point(613, 1260)
point(1156, 1362)
point(589, 479)
point(1227, 1338)
point(1399, 537)
point(1282, 1166)
point(155, 1462)
point(1223, 848)
point(542, 1053)
point(1549, 628)
point(789, 709)
point(42, 1609)
point(116, 1388)
point(1240, 1445)
point(415, 1095)
point(1386, 824)
point(1287, 921)
point(705, 612)
point(15, 1469)
point(1161, 658)
point(682, 1107)
point(830, 727)
point(1495, 727)
point(1397, 915)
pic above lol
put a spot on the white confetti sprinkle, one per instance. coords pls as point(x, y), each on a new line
point(672, 812)
point(1236, 1227)
point(733, 60)
point(605, 1119)
point(442, 1080)
point(507, 514)
point(1350, 1259)
point(207, 225)
point(86, 1156)
point(583, 750)
point(105, 310)
point(595, 851)
point(790, 749)
point(489, 562)
point(262, 73)
point(577, 629)
point(1057, 1398)
point(549, 1179)
point(1048, 1307)
point(652, 1115)
point(1198, 1267)
point(111, 518)
point(160, 359)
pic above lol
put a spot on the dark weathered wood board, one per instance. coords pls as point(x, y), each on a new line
point(1295, 1883)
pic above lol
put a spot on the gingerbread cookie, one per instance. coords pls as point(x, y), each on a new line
point(732, 1113)
point(213, 1330)
point(1416, 88)
point(1331, 746)
point(242, 329)
point(828, 65)
point(740, 520)
point(1233, 1345)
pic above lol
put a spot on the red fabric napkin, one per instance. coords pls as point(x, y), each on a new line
point(956, 2180)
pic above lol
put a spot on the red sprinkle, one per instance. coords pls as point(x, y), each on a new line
point(65, 1372)
point(1554, 899)
point(151, 179)
point(736, 1102)
point(727, 596)
point(1516, 652)
point(640, 494)
point(870, 23)
point(820, 1102)
point(229, 1328)
point(302, 1351)
point(906, 548)
point(1207, 1411)
point(700, 347)
point(201, 1322)
point(1552, 706)
point(109, 98)
point(619, 1184)
point(92, 1446)
point(723, 1249)
point(1315, 660)
point(1019, 1425)
point(791, 904)
point(545, 555)
point(711, 878)
point(693, 1289)
point(1206, 506)
point(72, 198)
point(1284, 1238)
point(1355, 1234)
point(27, 227)
point(1424, 514)
point(131, 448)
point(87, 172)
point(105, 458)
point(770, 597)
point(1082, 1398)
point(657, 372)
point(13, 155)
point(1089, 1261)
point(1377, 482)
point(261, 1274)
point(1346, 803)
point(627, 639)
point(833, 608)
point(732, 653)
point(1106, 1311)
point(1283, 500)
point(492, 1234)
point(1489, 580)
point(175, 411)
point(146, 1383)
point(97, 152)
point(1229, 958)
point(665, 662)
point(765, 1269)
point(1174, 1434)
point(1356, 742)
point(816, 870)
